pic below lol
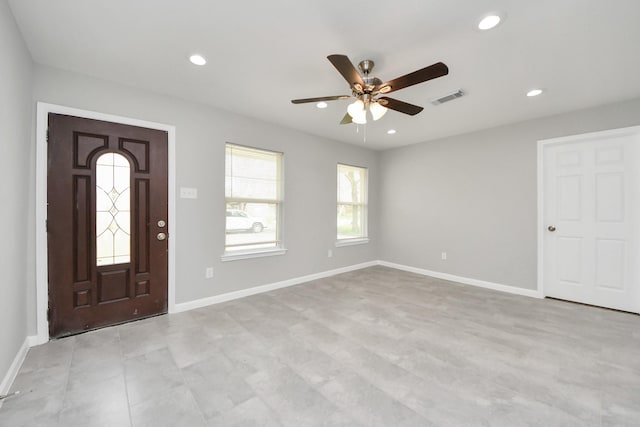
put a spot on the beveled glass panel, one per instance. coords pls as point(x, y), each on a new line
point(103, 202)
point(123, 220)
point(119, 160)
point(122, 203)
point(103, 219)
point(105, 160)
point(104, 176)
point(113, 209)
point(104, 245)
point(121, 243)
point(121, 179)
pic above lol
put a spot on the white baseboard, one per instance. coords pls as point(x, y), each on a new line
point(34, 340)
point(465, 280)
point(216, 299)
point(11, 374)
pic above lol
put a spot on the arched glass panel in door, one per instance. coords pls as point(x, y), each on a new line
point(113, 209)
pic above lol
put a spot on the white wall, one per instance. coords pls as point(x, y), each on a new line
point(201, 133)
point(15, 175)
point(474, 197)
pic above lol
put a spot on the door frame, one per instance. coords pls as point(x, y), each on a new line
point(542, 145)
point(42, 268)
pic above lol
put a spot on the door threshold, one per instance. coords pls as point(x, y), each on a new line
point(73, 334)
point(594, 306)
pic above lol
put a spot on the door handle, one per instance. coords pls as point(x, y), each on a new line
point(551, 228)
point(161, 236)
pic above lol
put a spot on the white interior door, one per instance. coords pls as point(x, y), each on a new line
point(590, 215)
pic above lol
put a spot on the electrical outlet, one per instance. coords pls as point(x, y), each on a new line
point(329, 253)
point(444, 255)
point(208, 273)
point(188, 193)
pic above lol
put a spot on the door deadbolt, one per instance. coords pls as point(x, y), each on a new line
point(551, 228)
point(161, 236)
point(161, 223)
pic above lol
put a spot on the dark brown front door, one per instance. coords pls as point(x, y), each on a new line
point(106, 222)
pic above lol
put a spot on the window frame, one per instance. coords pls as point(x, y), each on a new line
point(364, 207)
point(278, 249)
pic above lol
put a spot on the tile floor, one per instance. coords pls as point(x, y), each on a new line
point(375, 347)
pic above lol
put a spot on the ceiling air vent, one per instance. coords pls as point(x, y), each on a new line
point(450, 97)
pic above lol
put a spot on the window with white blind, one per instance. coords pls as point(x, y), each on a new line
point(352, 205)
point(253, 194)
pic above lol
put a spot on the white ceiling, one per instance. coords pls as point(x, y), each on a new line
point(262, 54)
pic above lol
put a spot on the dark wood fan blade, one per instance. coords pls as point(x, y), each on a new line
point(321, 98)
point(346, 119)
point(428, 73)
point(401, 106)
point(345, 67)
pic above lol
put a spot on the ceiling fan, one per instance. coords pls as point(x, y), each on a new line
point(367, 89)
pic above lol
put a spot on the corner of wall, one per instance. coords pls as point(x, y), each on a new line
point(14, 368)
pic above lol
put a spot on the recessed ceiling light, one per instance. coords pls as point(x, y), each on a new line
point(197, 60)
point(534, 92)
point(489, 22)
point(322, 105)
point(391, 131)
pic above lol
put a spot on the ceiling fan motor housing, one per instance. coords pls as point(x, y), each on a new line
point(366, 66)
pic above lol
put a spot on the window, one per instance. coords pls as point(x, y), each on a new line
point(113, 209)
point(352, 204)
point(253, 193)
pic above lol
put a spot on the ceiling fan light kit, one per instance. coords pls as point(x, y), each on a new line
point(367, 90)
point(357, 112)
point(377, 110)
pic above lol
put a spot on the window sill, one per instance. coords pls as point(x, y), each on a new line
point(235, 256)
point(351, 242)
